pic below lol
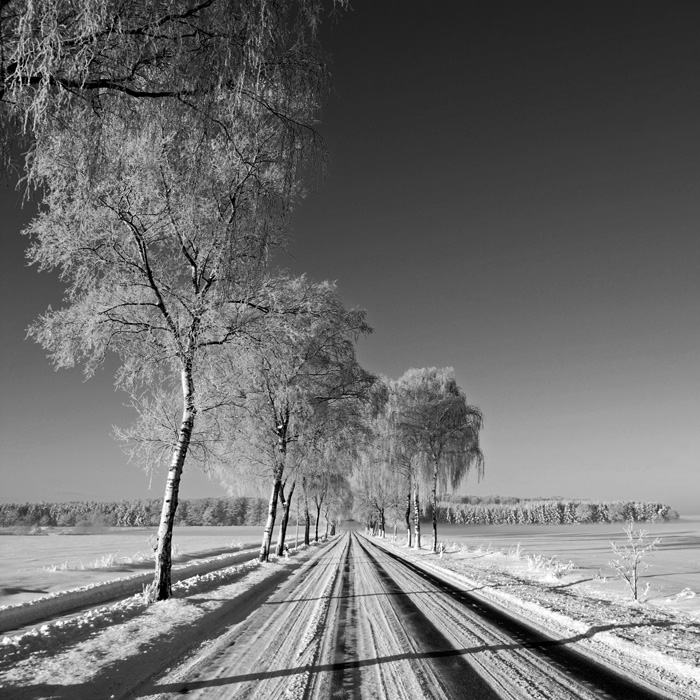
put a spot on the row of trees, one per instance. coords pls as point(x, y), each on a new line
point(139, 513)
point(167, 142)
point(554, 512)
point(425, 441)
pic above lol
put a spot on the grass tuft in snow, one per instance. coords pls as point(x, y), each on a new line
point(111, 560)
point(516, 552)
point(550, 566)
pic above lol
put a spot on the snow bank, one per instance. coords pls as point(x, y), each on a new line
point(13, 617)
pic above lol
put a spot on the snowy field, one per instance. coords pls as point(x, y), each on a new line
point(32, 566)
point(674, 566)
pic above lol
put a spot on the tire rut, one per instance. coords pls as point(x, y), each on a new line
point(345, 684)
point(456, 675)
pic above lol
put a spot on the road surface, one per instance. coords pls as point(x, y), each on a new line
point(357, 622)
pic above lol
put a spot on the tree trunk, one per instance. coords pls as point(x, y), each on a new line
point(285, 519)
point(382, 524)
point(307, 526)
point(282, 503)
point(325, 517)
point(161, 588)
point(318, 517)
point(416, 517)
point(270, 524)
point(296, 536)
point(277, 485)
point(307, 517)
point(408, 518)
point(433, 498)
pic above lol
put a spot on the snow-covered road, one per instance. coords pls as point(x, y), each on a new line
point(355, 622)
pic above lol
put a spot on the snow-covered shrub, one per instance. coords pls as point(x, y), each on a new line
point(549, 565)
point(629, 561)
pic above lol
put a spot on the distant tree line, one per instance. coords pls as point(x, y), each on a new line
point(139, 513)
point(495, 510)
point(495, 498)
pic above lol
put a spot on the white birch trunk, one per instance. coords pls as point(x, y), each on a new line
point(409, 534)
point(286, 503)
point(161, 588)
point(307, 516)
point(270, 523)
point(277, 485)
point(416, 517)
point(433, 498)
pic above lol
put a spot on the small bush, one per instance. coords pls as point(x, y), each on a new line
point(629, 563)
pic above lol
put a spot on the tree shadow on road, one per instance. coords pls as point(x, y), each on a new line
point(255, 677)
point(122, 669)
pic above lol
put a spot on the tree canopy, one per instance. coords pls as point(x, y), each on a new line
point(301, 364)
point(215, 65)
point(168, 141)
point(427, 436)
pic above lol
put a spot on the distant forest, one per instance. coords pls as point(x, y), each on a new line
point(508, 510)
point(141, 513)
point(464, 510)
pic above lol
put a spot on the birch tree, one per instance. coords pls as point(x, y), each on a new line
point(303, 362)
point(167, 140)
point(435, 416)
point(339, 504)
point(401, 451)
point(320, 447)
point(388, 473)
point(377, 484)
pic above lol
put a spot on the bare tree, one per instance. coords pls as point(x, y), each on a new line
point(629, 563)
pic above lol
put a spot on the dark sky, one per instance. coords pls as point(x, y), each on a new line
point(512, 191)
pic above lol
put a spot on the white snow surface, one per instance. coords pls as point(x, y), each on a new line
point(658, 643)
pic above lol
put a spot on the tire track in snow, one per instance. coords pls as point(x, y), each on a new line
point(453, 675)
point(272, 653)
point(345, 684)
point(521, 662)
